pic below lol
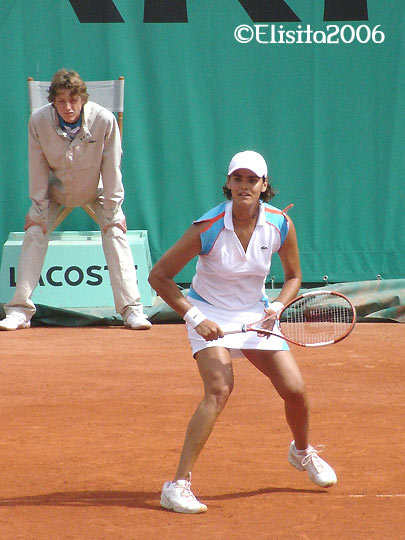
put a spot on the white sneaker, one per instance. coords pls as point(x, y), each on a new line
point(177, 496)
point(15, 321)
point(137, 321)
point(318, 470)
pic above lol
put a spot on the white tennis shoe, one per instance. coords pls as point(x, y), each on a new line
point(137, 321)
point(177, 496)
point(15, 321)
point(318, 470)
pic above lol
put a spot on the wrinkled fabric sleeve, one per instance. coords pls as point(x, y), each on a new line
point(113, 189)
point(38, 176)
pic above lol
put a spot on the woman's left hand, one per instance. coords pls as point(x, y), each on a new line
point(269, 323)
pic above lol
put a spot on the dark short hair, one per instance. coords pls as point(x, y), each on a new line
point(67, 80)
point(265, 196)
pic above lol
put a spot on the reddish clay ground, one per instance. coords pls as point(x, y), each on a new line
point(93, 420)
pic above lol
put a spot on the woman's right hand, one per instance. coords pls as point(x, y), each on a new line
point(209, 330)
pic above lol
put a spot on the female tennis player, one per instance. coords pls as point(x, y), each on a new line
point(234, 243)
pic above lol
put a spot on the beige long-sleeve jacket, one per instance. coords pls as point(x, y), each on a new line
point(75, 173)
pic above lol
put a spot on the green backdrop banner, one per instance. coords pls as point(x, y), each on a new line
point(317, 87)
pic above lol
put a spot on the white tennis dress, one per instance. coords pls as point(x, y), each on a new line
point(229, 284)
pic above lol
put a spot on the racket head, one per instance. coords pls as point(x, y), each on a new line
point(315, 319)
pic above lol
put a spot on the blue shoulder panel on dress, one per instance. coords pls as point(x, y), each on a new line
point(213, 213)
point(215, 224)
point(278, 219)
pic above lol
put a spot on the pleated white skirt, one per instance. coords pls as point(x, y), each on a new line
point(231, 320)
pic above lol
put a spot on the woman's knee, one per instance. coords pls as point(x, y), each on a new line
point(219, 390)
point(296, 395)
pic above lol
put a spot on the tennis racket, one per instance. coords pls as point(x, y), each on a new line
point(313, 319)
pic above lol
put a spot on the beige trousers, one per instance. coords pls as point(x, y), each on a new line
point(118, 257)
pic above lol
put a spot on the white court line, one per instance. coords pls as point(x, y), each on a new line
point(387, 495)
point(393, 495)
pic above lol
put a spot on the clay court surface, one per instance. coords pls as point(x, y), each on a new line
point(93, 420)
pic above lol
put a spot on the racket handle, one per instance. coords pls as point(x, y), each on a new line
point(242, 328)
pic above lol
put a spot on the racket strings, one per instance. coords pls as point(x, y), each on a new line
point(319, 319)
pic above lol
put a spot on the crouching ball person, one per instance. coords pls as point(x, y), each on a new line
point(234, 243)
point(74, 160)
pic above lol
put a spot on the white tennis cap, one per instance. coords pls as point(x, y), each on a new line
point(248, 160)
